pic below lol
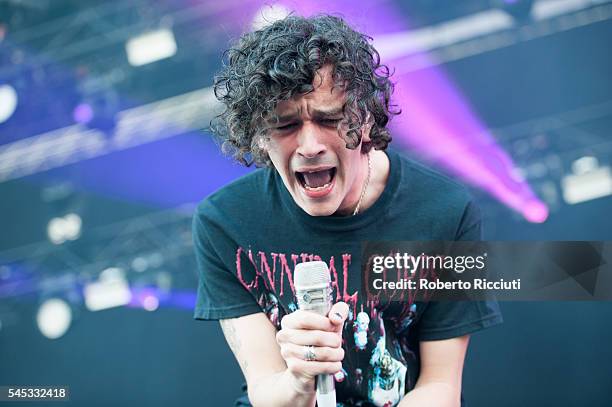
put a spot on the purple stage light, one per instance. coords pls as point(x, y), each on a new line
point(83, 113)
point(535, 211)
point(151, 298)
point(150, 302)
point(147, 298)
point(437, 124)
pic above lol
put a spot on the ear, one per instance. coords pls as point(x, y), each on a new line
point(262, 143)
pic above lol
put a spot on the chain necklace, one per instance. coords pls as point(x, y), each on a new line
point(365, 186)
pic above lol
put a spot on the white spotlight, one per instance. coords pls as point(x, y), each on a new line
point(8, 102)
point(584, 164)
point(72, 226)
point(591, 182)
point(111, 290)
point(53, 318)
point(150, 47)
point(150, 303)
point(55, 230)
point(66, 228)
point(268, 14)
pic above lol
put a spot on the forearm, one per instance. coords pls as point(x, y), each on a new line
point(433, 394)
point(281, 389)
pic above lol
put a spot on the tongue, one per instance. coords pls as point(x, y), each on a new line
point(317, 179)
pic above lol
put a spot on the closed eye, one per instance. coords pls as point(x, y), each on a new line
point(286, 126)
point(329, 122)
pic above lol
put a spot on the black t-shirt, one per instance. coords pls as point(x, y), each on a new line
point(250, 235)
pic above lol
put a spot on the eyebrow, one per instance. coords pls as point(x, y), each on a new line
point(322, 114)
point(284, 118)
point(316, 114)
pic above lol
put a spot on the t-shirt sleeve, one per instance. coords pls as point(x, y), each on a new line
point(220, 294)
point(451, 319)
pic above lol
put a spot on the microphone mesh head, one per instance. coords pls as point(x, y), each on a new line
point(311, 273)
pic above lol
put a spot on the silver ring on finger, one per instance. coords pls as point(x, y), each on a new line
point(309, 353)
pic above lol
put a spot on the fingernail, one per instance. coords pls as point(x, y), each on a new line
point(338, 316)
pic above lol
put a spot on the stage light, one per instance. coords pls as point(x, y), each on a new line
point(140, 264)
point(584, 165)
point(150, 302)
point(535, 211)
point(147, 298)
point(111, 290)
point(54, 318)
point(72, 226)
point(97, 110)
point(83, 113)
point(55, 231)
point(150, 47)
point(268, 14)
point(64, 228)
point(8, 102)
point(588, 181)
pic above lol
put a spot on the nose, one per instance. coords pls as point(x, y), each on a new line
point(310, 142)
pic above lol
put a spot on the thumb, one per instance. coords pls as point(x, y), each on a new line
point(338, 313)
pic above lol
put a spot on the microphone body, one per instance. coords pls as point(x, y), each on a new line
point(313, 292)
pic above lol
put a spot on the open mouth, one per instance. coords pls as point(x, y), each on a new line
point(316, 183)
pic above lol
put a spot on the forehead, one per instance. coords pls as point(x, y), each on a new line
point(325, 95)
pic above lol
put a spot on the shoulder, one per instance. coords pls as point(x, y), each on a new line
point(435, 201)
point(247, 193)
point(430, 185)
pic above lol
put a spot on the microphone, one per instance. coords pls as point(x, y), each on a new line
point(313, 291)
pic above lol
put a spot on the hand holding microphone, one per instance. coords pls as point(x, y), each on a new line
point(311, 337)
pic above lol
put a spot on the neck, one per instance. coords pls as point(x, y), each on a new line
point(378, 179)
point(376, 185)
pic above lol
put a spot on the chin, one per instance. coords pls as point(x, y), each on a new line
point(318, 210)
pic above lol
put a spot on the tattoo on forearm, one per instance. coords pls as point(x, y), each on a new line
point(227, 325)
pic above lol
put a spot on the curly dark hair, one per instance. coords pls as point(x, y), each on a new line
point(279, 61)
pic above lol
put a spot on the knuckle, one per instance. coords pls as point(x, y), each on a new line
point(324, 340)
point(323, 354)
point(334, 341)
point(308, 319)
point(338, 341)
point(331, 367)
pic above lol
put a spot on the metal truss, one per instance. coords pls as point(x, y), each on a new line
point(134, 127)
point(486, 31)
point(162, 240)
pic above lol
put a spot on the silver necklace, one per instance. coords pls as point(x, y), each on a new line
point(365, 186)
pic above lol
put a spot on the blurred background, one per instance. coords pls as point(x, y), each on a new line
point(103, 159)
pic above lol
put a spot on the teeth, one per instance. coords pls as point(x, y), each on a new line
point(317, 188)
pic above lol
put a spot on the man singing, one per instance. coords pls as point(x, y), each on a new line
point(308, 100)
